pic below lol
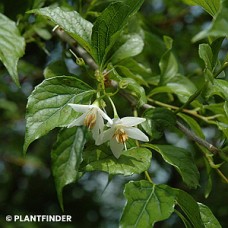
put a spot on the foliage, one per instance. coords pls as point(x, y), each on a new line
point(142, 83)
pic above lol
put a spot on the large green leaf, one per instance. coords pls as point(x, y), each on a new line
point(71, 22)
point(207, 217)
point(211, 6)
point(190, 207)
point(133, 46)
point(12, 46)
point(146, 204)
point(182, 160)
point(132, 161)
point(48, 107)
point(66, 157)
point(109, 24)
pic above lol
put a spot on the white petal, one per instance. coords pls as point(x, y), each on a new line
point(98, 139)
point(107, 135)
point(79, 121)
point(98, 130)
point(135, 133)
point(132, 121)
point(116, 148)
point(105, 116)
point(80, 107)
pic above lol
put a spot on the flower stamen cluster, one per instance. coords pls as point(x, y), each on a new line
point(90, 119)
point(120, 135)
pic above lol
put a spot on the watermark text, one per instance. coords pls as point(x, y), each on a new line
point(38, 218)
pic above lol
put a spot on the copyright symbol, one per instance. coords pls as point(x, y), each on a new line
point(8, 218)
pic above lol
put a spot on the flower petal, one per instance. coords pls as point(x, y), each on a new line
point(132, 121)
point(135, 133)
point(107, 135)
point(79, 121)
point(116, 148)
point(97, 131)
point(105, 116)
point(80, 107)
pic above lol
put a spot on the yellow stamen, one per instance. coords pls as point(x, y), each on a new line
point(120, 135)
point(90, 119)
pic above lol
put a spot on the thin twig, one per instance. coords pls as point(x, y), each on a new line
point(191, 135)
point(197, 139)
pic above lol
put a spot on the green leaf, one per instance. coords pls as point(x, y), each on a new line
point(211, 6)
point(207, 217)
point(146, 204)
point(55, 68)
point(132, 161)
point(136, 90)
point(48, 107)
point(225, 107)
point(206, 55)
point(182, 87)
point(132, 47)
point(208, 181)
point(160, 89)
point(219, 87)
point(136, 68)
point(186, 222)
point(12, 46)
point(158, 120)
point(168, 67)
point(126, 72)
point(223, 127)
point(218, 25)
point(195, 127)
point(109, 24)
point(71, 22)
point(156, 42)
point(179, 85)
point(219, 110)
point(133, 88)
point(216, 47)
point(66, 158)
point(182, 160)
point(190, 207)
point(168, 41)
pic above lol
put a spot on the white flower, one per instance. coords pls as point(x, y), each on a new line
point(92, 117)
point(119, 132)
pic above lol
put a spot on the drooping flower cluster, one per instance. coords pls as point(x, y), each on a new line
point(118, 132)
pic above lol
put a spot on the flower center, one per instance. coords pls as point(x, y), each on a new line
point(90, 119)
point(120, 135)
